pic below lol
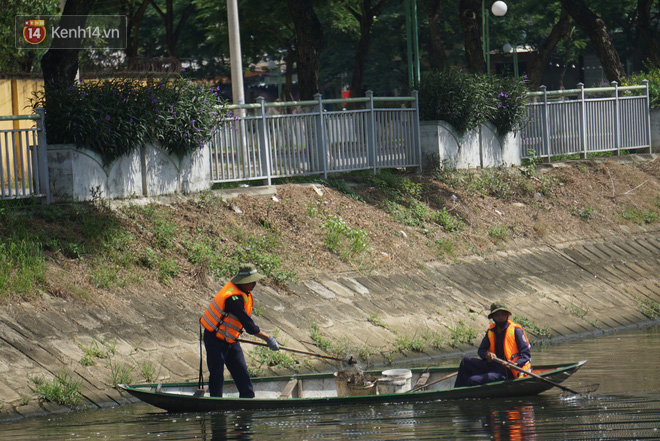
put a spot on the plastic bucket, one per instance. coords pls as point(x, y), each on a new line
point(395, 381)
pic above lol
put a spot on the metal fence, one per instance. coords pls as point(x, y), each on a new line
point(24, 159)
point(583, 121)
point(275, 140)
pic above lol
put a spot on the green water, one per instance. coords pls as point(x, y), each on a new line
point(626, 406)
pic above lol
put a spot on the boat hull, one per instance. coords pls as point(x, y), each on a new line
point(178, 397)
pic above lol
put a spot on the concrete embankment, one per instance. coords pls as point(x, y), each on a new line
point(571, 288)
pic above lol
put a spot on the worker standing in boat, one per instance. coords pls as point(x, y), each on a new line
point(224, 320)
point(505, 340)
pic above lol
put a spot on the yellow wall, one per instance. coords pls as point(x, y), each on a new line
point(15, 100)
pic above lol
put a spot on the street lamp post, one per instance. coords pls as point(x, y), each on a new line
point(508, 49)
point(498, 9)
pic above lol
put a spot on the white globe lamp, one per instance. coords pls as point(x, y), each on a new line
point(499, 8)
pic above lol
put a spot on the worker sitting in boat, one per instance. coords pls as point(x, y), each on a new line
point(505, 340)
point(224, 321)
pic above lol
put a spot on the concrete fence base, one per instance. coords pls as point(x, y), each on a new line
point(78, 174)
point(478, 148)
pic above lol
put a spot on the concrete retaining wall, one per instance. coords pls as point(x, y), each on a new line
point(574, 287)
point(79, 174)
point(481, 147)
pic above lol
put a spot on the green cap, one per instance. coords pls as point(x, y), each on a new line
point(497, 306)
point(247, 273)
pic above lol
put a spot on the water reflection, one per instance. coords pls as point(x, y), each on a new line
point(226, 426)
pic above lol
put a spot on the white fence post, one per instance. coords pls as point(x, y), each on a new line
point(264, 148)
point(43, 183)
point(546, 123)
point(617, 119)
point(583, 121)
point(648, 114)
point(371, 132)
point(418, 135)
point(322, 148)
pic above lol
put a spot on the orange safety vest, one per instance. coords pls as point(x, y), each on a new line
point(511, 351)
point(226, 326)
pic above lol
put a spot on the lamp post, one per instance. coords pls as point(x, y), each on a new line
point(508, 49)
point(498, 9)
point(413, 43)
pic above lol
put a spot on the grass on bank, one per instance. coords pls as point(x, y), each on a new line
point(108, 242)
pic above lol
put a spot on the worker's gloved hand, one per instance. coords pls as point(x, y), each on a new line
point(272, 344)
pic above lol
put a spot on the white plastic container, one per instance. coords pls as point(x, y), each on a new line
point(395, 381)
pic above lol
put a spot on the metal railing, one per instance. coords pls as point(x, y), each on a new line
point(582, 121)
point(302, 138)
point(24, 159)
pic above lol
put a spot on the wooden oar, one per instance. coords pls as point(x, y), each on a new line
point(531, 374)
point(349, 360)
point(423, 386)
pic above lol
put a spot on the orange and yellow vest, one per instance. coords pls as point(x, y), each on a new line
point(226, 326)
point(511, 351)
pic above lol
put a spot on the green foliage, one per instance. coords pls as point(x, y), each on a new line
point(639, 216)
point(647, 306)
point(461, 333)
point(652, 75)
point(121, 374)
point(115, 117)
point(342, 239)
point(586, 213)
point(498, 233)
point(467, 100)
point(405, 343)
point(91, 353)
point(532, 327)
point(265, 356)
point(62, 389)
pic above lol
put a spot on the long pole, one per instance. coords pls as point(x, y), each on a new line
point(235, 54)
point(538, 377)
point(350, 360)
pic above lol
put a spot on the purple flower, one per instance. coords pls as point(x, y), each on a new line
point(75, 124)
point(185, 135)
point(154, 101)
point(130, 121)
point(107, 117)
point(192, 122)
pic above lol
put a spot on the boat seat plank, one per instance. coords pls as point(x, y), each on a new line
point(421, 381)
point(288, 389)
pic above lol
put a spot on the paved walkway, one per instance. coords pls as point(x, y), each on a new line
point(572, 288)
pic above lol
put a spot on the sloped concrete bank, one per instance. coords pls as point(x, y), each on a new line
point(574, 287)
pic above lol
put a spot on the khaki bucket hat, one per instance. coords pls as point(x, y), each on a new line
point(497, 306)
point(247, 273)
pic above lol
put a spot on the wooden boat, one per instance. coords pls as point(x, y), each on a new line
point(308, 390)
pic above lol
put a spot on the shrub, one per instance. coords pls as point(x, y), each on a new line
point(114, 117)
point(467, 100)
point(652, 76)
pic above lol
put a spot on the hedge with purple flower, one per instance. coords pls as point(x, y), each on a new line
point(115, 117)
point(467, 100)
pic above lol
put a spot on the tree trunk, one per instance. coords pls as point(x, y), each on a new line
point(595, 28)
point(309, 33)
point(646, 31)
point(470, 17)
point(366, 19)
point(537, 66)
point(438, 50)
point(60, 64)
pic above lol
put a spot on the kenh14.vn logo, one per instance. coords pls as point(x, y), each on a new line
point(34, 31)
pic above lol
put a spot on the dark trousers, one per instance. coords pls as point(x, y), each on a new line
point(219, 354)
point(473, 371)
